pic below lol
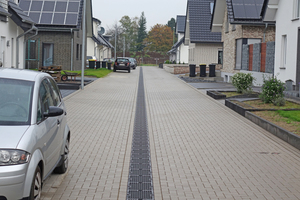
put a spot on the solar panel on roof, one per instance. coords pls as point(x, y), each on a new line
point(48, 6)
point(56, 12)
point(46, 18)
point(25, 5)
point(35, 16)
point(251, 11)
point(59, 18)
point(71, 18)
point(36, 5)
point(237, 1)
point(61, 6)
point(73, 6)
point(239, 11)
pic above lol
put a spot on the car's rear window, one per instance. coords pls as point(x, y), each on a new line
point(15, 101)
point(122, 60)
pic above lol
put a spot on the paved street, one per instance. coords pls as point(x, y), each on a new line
point(200, 149)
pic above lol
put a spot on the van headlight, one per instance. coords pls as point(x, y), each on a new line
point(13, 157)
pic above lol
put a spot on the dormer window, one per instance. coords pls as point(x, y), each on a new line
point(211, 8)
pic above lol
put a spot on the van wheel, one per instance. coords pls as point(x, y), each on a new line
point(36, 186)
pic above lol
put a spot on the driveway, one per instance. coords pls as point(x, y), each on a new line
point(199, 148)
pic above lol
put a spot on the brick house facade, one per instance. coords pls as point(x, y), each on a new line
point(62, 49)
point(237, 32)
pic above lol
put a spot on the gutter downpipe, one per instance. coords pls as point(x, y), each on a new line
point(72, 50)
point(264, 39)
point(17, 45)
point(24, 46)
point(83, 44)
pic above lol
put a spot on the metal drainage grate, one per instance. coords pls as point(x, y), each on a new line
point(140, 186)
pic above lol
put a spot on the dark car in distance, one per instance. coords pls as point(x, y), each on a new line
point(122, 64)
point(133, 63)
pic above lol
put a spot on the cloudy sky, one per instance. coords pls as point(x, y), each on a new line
point(156, 11)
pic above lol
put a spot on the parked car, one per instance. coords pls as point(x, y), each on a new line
point(109, 60)
point(122, 64)
point(133, 63)
point(90, 58)
point(35, 136)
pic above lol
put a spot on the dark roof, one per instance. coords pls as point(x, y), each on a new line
point(102, 41)
point(19, 17)
point(58, 13)
point(245, 11)
point(4, 12)
point(180, 23)
point(199, 20)
point(176, 45)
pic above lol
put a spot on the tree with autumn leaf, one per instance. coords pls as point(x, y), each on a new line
point(160, 39)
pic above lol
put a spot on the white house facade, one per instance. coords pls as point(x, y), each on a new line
point(287, 48)
point(14, 24)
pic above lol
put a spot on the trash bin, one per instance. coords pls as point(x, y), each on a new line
point(92, 64)
point(289, 85)
point(109, 65)
point(192, 70)
point(97, 64)
point(212, 70)
point(161, 65)
point(202, 70)
point(103, 64)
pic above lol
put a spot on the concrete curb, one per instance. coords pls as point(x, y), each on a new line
point(283, 134)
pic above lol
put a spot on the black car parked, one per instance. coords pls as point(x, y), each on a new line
point(122, 64)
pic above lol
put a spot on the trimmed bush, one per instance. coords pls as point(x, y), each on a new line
point(242, 82)
point(272, 91)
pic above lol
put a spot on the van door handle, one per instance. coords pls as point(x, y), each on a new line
point(58, 122)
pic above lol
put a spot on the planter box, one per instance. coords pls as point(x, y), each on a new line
point(283, 134)
point(215, 94)
point(218, 95)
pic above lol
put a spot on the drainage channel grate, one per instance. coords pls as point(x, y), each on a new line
point(140, 186)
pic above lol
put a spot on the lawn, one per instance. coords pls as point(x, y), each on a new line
point(288, 120)
point(99, 73)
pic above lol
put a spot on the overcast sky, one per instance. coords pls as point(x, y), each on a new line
point(156, 11)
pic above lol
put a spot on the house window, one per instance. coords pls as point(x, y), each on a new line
point(296, 9)
point(31, 49)
point(80, 52)
point(48, 54)
point(77, 52)
point(239, 49)
point(283, 51)
point(211, 8)
point(220, 56)
point(227, 24)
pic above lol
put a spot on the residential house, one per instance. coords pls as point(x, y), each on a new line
point(241, 25)
point(98, 45)
point(60, 37)
point(205, 47)
point(14, 24)
point(286, 14)
point(179, 51)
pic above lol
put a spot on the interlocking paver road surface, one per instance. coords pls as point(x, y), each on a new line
point(199, 148)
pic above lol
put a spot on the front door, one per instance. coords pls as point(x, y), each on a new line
point(47, 55)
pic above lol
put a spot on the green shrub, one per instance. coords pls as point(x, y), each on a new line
point(242, 82)
point(279, 102)
point(167, 62)
point(272, 91)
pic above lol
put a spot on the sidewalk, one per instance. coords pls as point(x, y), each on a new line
point(200, 149)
